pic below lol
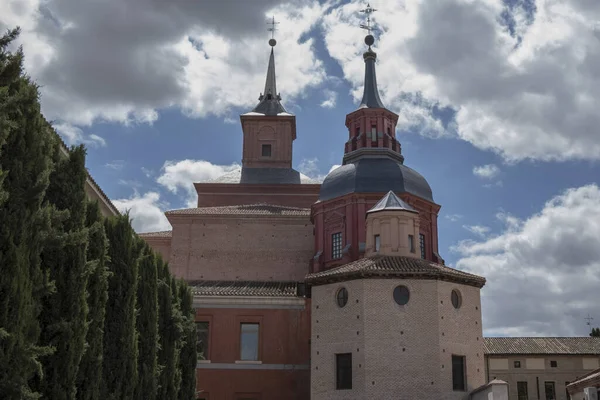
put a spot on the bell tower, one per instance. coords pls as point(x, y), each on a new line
point(269, 130)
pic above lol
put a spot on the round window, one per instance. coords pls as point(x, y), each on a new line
point(456, 299)
point(401, 295)
point(342, 297)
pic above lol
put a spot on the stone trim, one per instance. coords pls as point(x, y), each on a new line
point(296, 303)
point(237, 365)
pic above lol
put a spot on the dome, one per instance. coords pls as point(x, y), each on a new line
point(374, 175)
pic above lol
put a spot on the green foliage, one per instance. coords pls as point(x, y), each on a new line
point(119, 368)
point(170, 331)
point(25, 166)
point(188, 356)
point(147, 325)
point(64, 316)
point(90, 368)
point(595, 332)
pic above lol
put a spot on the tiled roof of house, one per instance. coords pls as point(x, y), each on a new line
point(244, 288)
point(251, 209)
point(394, 267)
point(542, 345)
point(161, 234)
point(591, 379)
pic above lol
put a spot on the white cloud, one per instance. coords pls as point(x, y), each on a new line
point(115, 164)
point(181, 175)
point(479, 230)
point(530, 95)
point(93, 63)
point(146, 212)
point(543, 272)
point(74, 135)
point(330, 99)
point(488, 171)
point(453, 217)
point(310, 168)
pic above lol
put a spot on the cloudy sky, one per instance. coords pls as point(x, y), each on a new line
point(498, 104)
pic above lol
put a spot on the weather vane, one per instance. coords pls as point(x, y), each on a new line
point(368, 11)
point(272, 28)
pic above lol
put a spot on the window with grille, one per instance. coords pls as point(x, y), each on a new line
point(202, 330)
point(522, 391)
point(336, 245)
point(422, 242)
point(343, 371)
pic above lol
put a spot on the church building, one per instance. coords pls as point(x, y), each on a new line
point(324, 291)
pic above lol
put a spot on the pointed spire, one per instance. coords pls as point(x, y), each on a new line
point(270, 100)
point(371, 97)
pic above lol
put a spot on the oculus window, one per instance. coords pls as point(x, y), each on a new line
point(341, 297)
point(202, 329)
point(249, 342)
point(336, 245)
point(458, 373)
point(456, 299)
point(343, 371)
point(401, 295)
point(266, 150)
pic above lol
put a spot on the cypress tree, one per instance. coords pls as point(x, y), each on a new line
point(188, 357)
point(25, 166)
point(90, 368)
point(64, 316)
point(147, 324)
point(119, 368)
point(170, 331)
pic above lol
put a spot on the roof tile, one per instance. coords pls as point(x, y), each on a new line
point(542, 345)
point(161, 234)
point(244, 288)
point(252, 209)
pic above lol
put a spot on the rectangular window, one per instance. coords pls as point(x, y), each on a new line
point(550, 390)
point(458, 373)
point(202, 329)
point(336, 245)
point(517, 364)
point(422, 243)
point(411, 243)
point(553, 364)
point(522, 391)
point(249, 342)
point(373, 133)
point(377, 242)
point(266, 150)
point(343, 371)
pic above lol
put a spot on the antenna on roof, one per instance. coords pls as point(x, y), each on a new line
point(589, 321)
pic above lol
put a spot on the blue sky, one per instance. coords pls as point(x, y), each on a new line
point(497, 103)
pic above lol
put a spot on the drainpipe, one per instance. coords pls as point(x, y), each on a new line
point(537, 381)
point(487, 369)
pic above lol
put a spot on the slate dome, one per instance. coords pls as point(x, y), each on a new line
point(374, 175)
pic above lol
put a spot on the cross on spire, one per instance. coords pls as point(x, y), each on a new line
point(273, 27)
point(368, 11)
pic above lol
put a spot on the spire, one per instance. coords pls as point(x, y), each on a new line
point(371, 97)
point(269, 100)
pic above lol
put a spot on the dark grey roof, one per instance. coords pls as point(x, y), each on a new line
point(270, 100)
point(374, 175)
point(264, 176)
point(541, 345)
point(244, 288)
point(394, 267)
point(391, 202)
point(371, 97)
point(249, 209)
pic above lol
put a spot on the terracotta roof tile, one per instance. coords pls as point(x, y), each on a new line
point(542, 345)
point(161, 234)
point(244, 288)
point(251, 209)
point(394, 266)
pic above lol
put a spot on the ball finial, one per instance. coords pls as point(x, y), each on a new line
point(369, 40)
point(272, 42)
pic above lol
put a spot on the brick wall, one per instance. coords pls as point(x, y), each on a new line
point(389, 342)
point(265, 248)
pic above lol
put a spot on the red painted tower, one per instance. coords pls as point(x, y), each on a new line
point(372, 165)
